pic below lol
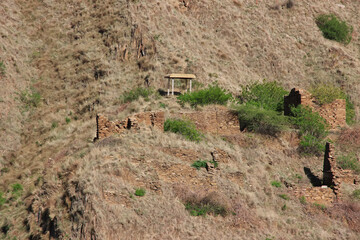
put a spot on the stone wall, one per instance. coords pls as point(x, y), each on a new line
point(318, 195)
point(334, 113)
point(219, 120)
point(106, 128)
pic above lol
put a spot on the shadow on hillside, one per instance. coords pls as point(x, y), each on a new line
point(315, 180)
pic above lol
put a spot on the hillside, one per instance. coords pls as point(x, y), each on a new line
point(67, 61)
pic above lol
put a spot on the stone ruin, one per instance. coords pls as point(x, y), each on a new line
point(333, 177)
point(334, 113)
point(218, 120)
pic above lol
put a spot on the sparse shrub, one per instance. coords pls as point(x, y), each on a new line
point(67, 120)
point(30, 98)
point(201, 209)
point(163, 105)
point(267, 95)
point(355, 194)
point(199, 164)
point(320, 206)
point(136, 93)
point(185, 128)
point(17, 190)
point(140, 192)
point(261, 120)
point(284, 207)
point(54, 125)
point(334, 29)
point(349, 162)
point(211, 95)
point(302, 200)
point(2, 199)
point(284, 196)
point(276, 184)
point(2, 68)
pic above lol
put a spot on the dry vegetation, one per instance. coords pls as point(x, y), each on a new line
point(81, 56)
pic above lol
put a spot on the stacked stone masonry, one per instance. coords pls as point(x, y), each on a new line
point(334, 113)
point(218, 121)
point(317, 195)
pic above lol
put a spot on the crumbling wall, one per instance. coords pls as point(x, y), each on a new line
point(334, 113)
point(106, 128)
point(220, 120)
point(318, 195)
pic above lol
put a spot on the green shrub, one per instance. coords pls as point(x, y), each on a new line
point(211, 95)
point(202, 209)
point(185, 128)
point(67, 120)
point(320, 206)
point(309, 122)
point(267, 95)
point(2, 199)
point(202, 164)
point(349, 162)
point(17, 190)
point(140, 192)
point(334, 29)
point(302, 200)
point(327, 93)
point(355, 194)
point(261, 120)
point(199, 164)
point(2, 68)
point(136, 93)
point(276, 184)
point(284, 207)
point(54, 125)
point(310, 145)
point(284, 196)
point(30, 98)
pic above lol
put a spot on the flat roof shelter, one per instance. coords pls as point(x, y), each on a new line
point(174, 76)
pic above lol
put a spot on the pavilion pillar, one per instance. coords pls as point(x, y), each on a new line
point(172, 87)
point(190, 85)
point(168, 93)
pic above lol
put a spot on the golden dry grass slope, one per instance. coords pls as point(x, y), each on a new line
point(81, 56)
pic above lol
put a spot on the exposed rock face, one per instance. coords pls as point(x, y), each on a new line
point(334, 113)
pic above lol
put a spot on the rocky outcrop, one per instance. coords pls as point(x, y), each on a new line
point(334, 113)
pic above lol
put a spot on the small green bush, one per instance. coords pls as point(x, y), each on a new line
point(54, 125)
point(199, 164)
point(261, 120)
point(302, 200)
point(356, 194)
point(310, 145)
point(17, 190)
point(202, 209)
point(2, 199)
point(211, 95)
point(284, 196)
point(309, 122)
point(320, 206)
point(67, 120)
point(349, 162)
point(267, 95)
point(136, 93)
point(185, 128)
point(276, 184)
point(2, 68)
point(140, 192)
point(30, 98)
point(334, 29)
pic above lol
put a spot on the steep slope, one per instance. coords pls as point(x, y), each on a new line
point(81, 56)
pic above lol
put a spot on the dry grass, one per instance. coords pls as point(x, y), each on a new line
point(73, 51)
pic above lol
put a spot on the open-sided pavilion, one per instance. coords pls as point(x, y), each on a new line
point(173, 76)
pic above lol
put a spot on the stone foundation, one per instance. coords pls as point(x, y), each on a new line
point(318, 195)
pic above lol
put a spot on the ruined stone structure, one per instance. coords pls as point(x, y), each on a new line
point(333, 175)
point(106, 128)
point(334, 113)
point(219, 121)
point(318, 195)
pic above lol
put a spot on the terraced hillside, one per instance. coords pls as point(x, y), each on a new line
point(63, 62)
